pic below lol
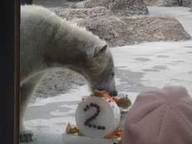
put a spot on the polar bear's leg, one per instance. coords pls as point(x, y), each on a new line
point(27, 88)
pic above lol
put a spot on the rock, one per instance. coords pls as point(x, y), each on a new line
point(185, 3)
point(58, 81)
point(95, 3)
point(81, 13)
point(111, 29)
point(157, 29)
point(131, 30)
point(120, 7)
point(128, 7)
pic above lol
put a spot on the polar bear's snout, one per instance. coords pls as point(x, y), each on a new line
point(111, 89)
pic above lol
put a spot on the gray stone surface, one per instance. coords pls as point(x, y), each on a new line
point(123, 30)
point(58, 81)
point(131, 30)
point(185, 3)
point(81, 13)
point(121, 7)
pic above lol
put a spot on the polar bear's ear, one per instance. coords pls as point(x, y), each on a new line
point(94, 52)
point(100, 51)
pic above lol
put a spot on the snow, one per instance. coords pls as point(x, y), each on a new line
point(161, 63)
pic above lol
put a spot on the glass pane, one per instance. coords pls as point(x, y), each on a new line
point(77, 55)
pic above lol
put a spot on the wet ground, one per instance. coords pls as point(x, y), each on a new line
point(138, 68)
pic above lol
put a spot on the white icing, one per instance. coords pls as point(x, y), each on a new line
point(108, 117)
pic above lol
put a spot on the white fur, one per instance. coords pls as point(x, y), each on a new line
point(38, 24)
point(47, 39)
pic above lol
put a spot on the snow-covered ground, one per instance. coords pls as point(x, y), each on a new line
point(160, 63)
point(139, 67)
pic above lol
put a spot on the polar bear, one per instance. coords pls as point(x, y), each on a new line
point(48, 41)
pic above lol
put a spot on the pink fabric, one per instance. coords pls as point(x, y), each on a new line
point(160, 117)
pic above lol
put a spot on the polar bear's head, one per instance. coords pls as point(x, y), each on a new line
point(100, 69)
point(94, 59)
